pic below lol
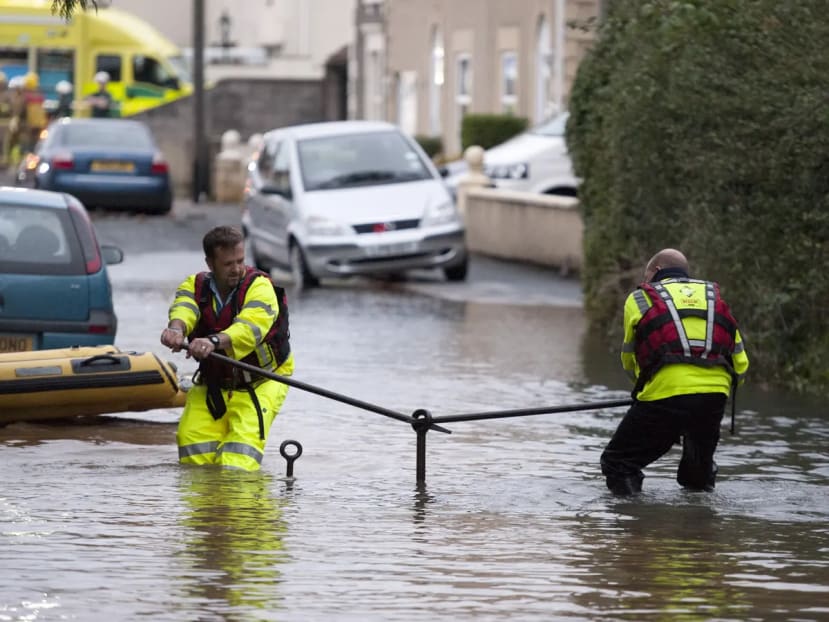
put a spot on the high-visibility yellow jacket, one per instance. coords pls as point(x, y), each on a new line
point(679, 378)
point(249, 327)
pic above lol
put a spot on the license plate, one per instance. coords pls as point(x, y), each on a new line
point(15, 343)
point(112, 167)
point(388, 250)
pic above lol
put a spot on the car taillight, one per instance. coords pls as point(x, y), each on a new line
point(102, 322)
point(63, 162)
point(159, 165)
point(86, 235)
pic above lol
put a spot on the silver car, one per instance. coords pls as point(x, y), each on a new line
point(534, 161)
point(349, 198)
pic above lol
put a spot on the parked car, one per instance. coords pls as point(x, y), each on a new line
point(349, 198)
point(102, 162)
point(54, 287)
point(533, 161)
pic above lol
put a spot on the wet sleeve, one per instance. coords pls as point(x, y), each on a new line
point(258, 313)
point(184, 305)
point(632, 316)
point(739, 358)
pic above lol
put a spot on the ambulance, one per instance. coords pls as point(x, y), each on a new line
point(145, 68)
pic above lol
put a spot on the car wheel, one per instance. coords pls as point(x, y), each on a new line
point(457, 272)
point(302, 277)
point(253, 257)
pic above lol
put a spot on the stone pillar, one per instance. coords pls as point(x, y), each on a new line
point(229, 179)
point(475, 178)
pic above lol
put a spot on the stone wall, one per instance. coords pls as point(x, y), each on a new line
point(521, 226)
point(247, 106)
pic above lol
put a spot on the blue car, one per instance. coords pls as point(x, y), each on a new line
point(108, 163)
point(54, 287)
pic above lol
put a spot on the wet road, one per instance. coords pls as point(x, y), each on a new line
point(97, 521)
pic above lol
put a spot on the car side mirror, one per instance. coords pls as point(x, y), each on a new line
point(444, 171)
point(271, 189)
point(111, 254)
point(173, 83)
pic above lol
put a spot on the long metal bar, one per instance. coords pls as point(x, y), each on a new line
point(199, 140)
point(320, 391)
point(523, 412)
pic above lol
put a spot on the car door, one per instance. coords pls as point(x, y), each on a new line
point(256, 201)
point(279, 203)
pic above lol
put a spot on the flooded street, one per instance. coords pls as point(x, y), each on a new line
point(98, 521)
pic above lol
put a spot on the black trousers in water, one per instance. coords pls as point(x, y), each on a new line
point(648, 431)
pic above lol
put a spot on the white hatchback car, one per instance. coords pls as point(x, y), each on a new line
point(349, 198)
point(533, 161)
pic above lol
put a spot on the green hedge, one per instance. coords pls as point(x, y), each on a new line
point(432, 145)
point(488, 130)
point(704, 125)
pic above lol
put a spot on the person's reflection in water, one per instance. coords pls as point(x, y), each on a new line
point(662, 562)
point(232, 546)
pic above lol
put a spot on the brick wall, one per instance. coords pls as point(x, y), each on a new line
point(247, 106)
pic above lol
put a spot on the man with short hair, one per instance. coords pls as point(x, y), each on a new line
point(232, 310)
point(683, 350)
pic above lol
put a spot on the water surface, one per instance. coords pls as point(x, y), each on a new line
point(97, 521)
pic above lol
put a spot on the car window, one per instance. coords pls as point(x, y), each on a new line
point(554, 127)
point(111, 63)
point(148, 69)
point(38, 241)
point(266, 159)
point(359, 159)
point(104, 134)
point(280, 176)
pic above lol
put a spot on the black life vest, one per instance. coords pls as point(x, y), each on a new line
point(277, 337)
point(661, 338)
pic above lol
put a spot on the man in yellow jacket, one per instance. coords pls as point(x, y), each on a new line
point(236, 311)
point(683, 350)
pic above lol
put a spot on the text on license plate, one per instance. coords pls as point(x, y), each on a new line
point(386, 250)
point(99, 166)
point(15, 343)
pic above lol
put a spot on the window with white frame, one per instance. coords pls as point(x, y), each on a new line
point(463, 89)
point(509, 82)
point(436, 83)
point(543, 61)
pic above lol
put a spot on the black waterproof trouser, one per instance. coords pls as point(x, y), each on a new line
point(648, 431)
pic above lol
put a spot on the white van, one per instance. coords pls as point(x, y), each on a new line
point(349, 198)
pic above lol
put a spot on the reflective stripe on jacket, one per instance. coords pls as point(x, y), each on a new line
point(692, 357)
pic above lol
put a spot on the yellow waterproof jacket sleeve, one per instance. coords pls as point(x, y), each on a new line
point(184, 305)
point(678, 378)
point(257, 314)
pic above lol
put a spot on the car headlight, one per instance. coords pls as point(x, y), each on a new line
point(520, 170)
point(317, 225)
point(439, 214)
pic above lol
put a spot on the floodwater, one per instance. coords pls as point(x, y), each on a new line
point(99, 522)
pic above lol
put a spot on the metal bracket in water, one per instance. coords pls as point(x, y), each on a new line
point(421, 424)
point(290, 458)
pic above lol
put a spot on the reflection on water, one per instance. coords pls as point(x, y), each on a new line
point(231, 551)
point(514, 521)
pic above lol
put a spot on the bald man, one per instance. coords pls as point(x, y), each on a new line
point(684, 353)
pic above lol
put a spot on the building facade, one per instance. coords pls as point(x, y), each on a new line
point(424, 64)
point(248, 39)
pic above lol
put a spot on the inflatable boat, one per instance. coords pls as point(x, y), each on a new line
point(80, 381)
